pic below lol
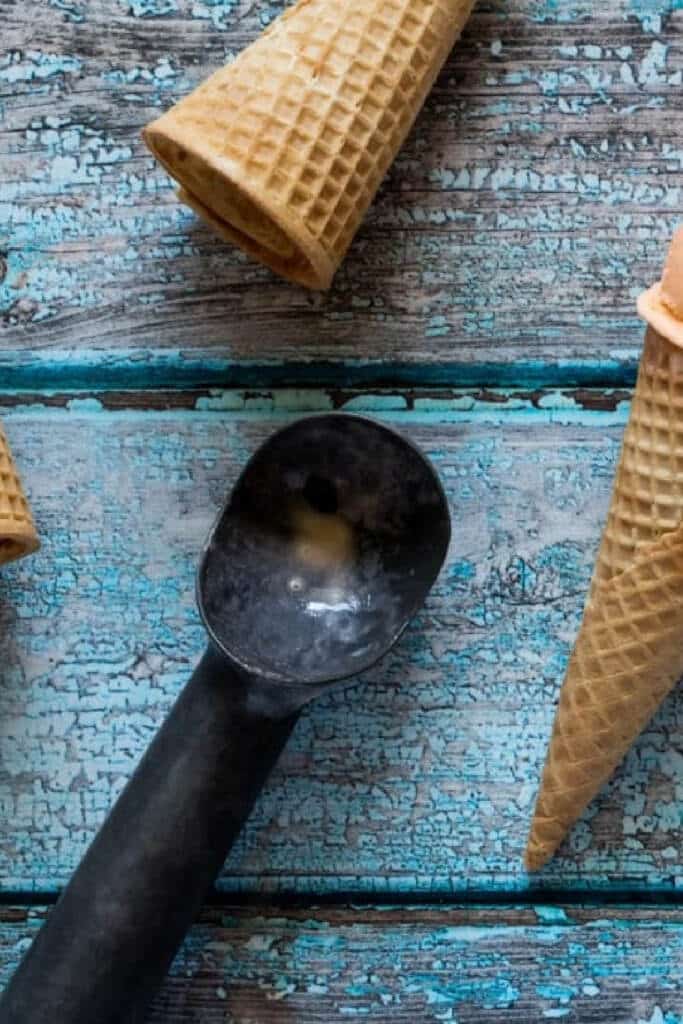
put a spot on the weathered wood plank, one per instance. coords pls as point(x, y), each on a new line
point(421, 779)
point(531, 203)
point(414, 965)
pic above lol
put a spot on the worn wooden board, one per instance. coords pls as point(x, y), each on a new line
point(530, 205)
point(416, 965)
point(419, 780)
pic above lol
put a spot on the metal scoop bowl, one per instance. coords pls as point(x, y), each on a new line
point(326, 548)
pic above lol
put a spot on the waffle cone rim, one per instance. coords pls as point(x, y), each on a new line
point(17, 542)
point(319, 268)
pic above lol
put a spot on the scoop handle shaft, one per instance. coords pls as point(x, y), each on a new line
point(108, 943)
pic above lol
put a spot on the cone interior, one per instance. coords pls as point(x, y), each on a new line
point(11, 549)
point(226, 205)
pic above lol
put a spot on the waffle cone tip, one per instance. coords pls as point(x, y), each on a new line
point(18, 535)
point(535, 857)
point(547, 831)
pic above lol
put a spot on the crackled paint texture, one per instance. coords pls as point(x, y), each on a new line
point(414, 964)
point(530, 205)
point(420, 778)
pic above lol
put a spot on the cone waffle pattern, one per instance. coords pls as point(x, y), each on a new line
point(17, 533)
point(283, 150)
point(629, 651)
point(647, 499)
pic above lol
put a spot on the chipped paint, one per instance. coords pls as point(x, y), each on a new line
point(421, 782)
point(152, 8)
point(35, 65)
point(493, 406)
point(525, 153)
point(410, 964)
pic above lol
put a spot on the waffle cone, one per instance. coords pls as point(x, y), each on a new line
point(18, 535)
point(629, 651)
point(283, 150)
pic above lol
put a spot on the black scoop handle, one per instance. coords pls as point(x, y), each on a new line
point(108, 943)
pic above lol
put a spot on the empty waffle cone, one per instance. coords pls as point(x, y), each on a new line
point(629, 651)
point(18, 535)
point(282, 151)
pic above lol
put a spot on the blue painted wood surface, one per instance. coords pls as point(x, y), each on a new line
point(414, 965)
point(421, 779)
point(530, 205)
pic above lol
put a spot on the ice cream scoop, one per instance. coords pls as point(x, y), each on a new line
point(326, 548)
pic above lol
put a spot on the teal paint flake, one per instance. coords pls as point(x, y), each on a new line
point(497, 993)
point(269, 10)
point(554, 990)
point(152, 8)
point(462, 570)
point(651, 13)
point(551, 11)
point(35, 65)
point(163, 75)
point(72, 11)
point(376, 403)
point(81, 405)
point(549, 915)
point(652, 68)
point(218, 12)
point(437, 326)
point(284, 400)
point(659, 1017)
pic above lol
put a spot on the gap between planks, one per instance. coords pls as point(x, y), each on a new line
point(538, 913)
point(534, 905)
point(263, 401)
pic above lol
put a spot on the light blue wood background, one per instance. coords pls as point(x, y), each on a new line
point(486, 308)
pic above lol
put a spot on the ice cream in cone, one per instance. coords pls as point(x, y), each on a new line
point(18, 535)
point(629, 651)
point(282, 151)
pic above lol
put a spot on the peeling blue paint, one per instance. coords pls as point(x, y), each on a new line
point(401, 966)
point(651, 13)
point(35, 65)
point(218, 12)
point(81, 184)
point(74, 12)
point(152, 8)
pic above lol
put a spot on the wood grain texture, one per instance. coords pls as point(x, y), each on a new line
point(414, 965)
point(419, 780)
point(530, 205)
